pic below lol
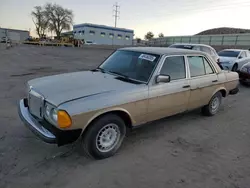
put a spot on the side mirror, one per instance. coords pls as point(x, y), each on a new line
point(240, 57)
point(162, 78)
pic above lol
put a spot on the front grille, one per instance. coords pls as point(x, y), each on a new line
point(35, 102)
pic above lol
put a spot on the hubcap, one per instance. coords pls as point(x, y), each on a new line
point(108, 137)
point(215, 104)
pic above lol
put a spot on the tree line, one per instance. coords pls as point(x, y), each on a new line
point(149, 35)
point(51, 18)
point(54, 18)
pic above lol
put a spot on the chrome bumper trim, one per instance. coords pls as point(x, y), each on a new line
point(34, 125)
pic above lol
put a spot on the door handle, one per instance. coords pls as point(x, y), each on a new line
point(186, 86)
point(215, 81)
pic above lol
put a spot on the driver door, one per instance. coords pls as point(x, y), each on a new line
point(170, 98)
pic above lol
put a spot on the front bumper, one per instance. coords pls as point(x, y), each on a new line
point(44, 130)
point(244, 76)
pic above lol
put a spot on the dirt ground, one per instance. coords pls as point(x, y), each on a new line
point(186, 150)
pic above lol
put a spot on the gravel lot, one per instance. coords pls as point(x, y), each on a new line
point(186, 150)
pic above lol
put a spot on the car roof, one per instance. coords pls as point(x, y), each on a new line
point(237, 50)
point(192, 44)
point(162, 50)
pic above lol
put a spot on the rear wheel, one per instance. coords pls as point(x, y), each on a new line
point(104, 136)
point(213, 106)
point(235, 68)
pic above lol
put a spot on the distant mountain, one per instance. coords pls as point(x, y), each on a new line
point(224, 30)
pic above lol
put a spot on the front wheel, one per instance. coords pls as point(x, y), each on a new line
point(104, 136)
point(235, 68)
point(213, 106)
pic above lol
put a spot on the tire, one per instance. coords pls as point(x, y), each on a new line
point(212, 108)
point(235, 68)
point(107, 130)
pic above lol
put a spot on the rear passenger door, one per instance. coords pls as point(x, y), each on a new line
point(203, 81)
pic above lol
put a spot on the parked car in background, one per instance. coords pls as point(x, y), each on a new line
point(233, 59)
point(244, 73)
point(200, 47)
point(5, 40)
point(87, 42)
point(131, 87)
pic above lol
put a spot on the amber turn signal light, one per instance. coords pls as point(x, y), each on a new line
point(63, 119)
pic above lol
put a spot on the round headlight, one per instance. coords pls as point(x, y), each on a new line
point(54, 114)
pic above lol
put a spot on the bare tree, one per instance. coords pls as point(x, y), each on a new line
point(59, 18)
point(149, 35)
point(161, 35)
point(40, 21)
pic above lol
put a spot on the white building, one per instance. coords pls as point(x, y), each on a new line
point(14, 35)
point(101, 34)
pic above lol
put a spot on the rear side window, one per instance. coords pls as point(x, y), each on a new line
point(214, 52)
point(199, 66)
point(198, 48)
point(206, 49)
point(174, 67)
point(208, 68)
point(189, 47)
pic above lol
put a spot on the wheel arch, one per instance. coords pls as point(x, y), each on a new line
point(222, 90)
point(235, 64)
point(122, 113)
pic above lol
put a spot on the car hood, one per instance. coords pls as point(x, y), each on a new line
point(224, 59)
point(63, 88)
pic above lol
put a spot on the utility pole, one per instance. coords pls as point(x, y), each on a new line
point(116, 11)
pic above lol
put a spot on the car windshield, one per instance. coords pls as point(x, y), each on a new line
point(130, 64)
point(229, 53)
point(189, 47)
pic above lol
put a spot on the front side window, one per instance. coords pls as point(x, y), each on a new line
point(199, 66)
point(135, 65)
point(174, 67)
point(243, 55)
point(247, 53)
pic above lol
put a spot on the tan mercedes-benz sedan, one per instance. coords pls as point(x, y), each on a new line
point(131, 87)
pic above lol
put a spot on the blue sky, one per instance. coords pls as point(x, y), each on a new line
point(171, 17)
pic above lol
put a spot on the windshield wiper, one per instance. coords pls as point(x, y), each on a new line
point(126, 78)
point(99, 69)
point(119, 74)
